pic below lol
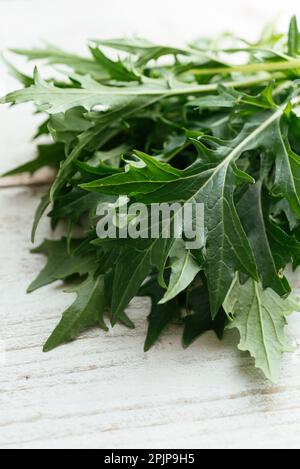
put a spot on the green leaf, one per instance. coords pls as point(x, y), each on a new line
point(285, 247)
point(55, 100)
point(294, 38)
point(134, 265)
point(136, 180)
point(41, 209)
point(287, 176)
point(142, 48)
point(211, 180)
point(234, 152)
point(94, 95)
point(111, 157)
point(53, 55)
point(66, 127)
point(21, 77)
point(199, 319)
point(230, 98)
point(74, 205)
point(85, 312)
point(283, 207)
point(161, 315)
point(251, 212)
point(100, 170)
point(184, 269)
point(98, 136)
point(116, 70)
point(48, 155)
point(260, 316)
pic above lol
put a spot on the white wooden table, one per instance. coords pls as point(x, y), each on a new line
point(103, 391)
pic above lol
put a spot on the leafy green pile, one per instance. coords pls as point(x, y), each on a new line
point(163, 124)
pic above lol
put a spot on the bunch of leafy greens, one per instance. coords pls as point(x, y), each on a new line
point(161, 124)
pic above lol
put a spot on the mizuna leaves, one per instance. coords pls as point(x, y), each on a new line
point(86, 311)
point(166, 126)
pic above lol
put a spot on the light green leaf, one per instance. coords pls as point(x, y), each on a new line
point(251, 212)
point(48, 155)
point(294, 38)
point(227, 247)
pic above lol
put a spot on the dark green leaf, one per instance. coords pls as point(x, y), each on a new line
point(48, 155)
point(294, 38)
point(116, 70)
point(42, 207)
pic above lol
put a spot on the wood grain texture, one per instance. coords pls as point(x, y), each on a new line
point(102, 391)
